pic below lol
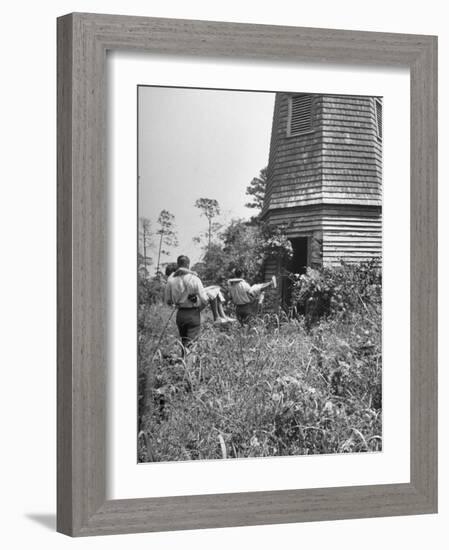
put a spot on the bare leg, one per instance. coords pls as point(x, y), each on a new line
point(220, 309)
point(266, 285)
point(257, 289)
point(214, 308)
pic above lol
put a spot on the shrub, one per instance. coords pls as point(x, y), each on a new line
point(244, 244)
point(277, 388)
point(338, 291)
point(150, 290)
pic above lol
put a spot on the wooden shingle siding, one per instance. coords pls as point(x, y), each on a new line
point(339, 162)
point(271, 268)
point(353, 238)
point(349, 226)
point(326, 184)
point(304, 149)
point(273, 155)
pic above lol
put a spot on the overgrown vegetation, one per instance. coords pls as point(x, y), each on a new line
point(306, 384)
point(244, 244)
point(302, 381)
point(341, 291)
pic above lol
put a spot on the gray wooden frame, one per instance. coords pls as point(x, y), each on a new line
point(83, 40)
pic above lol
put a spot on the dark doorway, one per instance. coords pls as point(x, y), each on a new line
point(297, 264)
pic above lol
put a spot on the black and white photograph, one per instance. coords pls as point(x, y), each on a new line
point(223, 232)
point(259, 274)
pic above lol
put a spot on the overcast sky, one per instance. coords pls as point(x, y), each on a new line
point(197, 143)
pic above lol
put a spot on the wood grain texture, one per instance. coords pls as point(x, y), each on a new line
point(300, 174)
point(424, 277)
point(64, 278)
point(83, 40)
point(349, 232)
point(338, 163)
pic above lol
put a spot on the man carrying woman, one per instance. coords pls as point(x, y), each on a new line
point(246, 297)
point(185, 290)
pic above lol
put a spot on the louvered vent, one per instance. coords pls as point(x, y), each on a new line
point(379, 117)
point(300, 114)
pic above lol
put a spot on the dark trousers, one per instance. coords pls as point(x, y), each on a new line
point(189, 324)
point(244, 312)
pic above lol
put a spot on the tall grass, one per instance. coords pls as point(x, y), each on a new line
point(276, 388)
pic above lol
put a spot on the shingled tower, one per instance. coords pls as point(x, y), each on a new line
point(325, 178)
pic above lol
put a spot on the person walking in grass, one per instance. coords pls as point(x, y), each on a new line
point(246, 297)
point(185, 291)
point(214, 295)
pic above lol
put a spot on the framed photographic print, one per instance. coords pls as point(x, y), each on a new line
point(246, 274)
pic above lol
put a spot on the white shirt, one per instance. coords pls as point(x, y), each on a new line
point(240, 292)
point(180, 285)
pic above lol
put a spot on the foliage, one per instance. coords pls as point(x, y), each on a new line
point(339, 291)
point(305, 384)
point(256, 190)
point(203, 237)
point(273, 389)
point(142, 265)
point(149, 290)
point(276, 243)
point(244, 244)
point(146, 243)
point(214, 267)
point(210, 209)
point(168, 237)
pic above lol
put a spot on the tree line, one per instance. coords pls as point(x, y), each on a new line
point(245, 243)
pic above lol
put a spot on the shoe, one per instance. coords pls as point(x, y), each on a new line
point(230, 320)
point(274, 281)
